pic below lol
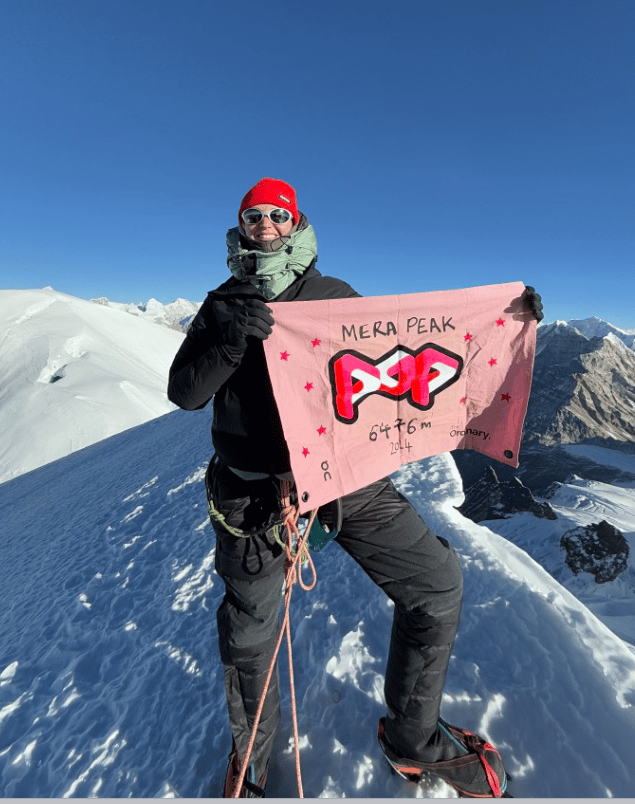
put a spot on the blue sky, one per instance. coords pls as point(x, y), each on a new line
point(433, 143)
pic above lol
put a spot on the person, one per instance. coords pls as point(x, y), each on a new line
point(272, 254)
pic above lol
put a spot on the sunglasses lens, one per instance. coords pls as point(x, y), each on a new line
point(251, 216)
point(280, 215)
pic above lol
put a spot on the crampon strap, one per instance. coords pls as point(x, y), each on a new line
point(477, 746)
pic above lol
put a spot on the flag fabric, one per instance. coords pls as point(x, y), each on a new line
point(364, 385)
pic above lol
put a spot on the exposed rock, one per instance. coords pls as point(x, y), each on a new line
point(540, 467)
point(583, 389)
point(599, 549)
point(492, 498)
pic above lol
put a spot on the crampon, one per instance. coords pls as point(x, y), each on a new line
point(477, 773)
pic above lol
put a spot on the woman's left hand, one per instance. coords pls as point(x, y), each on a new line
point(533, 302)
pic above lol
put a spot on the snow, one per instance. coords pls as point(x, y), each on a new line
point(176, 314)
point(604, 456)
point(110, 681)
point(74, 373)
point(595, 327)
point(580, 503)
point(591, 328)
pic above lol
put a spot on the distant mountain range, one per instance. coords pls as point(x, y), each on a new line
point(593, 328)
point(176, 314)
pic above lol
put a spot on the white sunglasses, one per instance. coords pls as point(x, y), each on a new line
point(253, 216)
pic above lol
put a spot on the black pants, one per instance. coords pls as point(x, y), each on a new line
point(384, 534)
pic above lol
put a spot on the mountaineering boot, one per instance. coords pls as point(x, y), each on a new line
point(250, 787)
point(475, 771)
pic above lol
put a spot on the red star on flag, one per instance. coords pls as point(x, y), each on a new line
point(305, 451)
point(492, 362)
point(505, 397)
point(467, 337)
point(321, 430)
point(284, 355)
point(309, 386)
point(500, 322)
point(463, 400)
point(315, 342)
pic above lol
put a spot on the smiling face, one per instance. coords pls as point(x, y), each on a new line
point(266, 232)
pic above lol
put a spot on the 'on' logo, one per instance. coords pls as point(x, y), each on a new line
point(400, 373)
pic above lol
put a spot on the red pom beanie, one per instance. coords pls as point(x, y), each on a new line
point(271, 191)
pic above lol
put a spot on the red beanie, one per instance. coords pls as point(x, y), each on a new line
point(271, 191)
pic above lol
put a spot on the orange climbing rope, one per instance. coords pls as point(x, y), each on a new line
point(296, 555)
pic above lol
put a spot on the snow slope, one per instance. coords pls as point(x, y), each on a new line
point(110, 682)
point(581, 502)
point(73, 373)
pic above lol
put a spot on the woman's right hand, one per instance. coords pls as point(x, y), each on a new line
point(252, 318)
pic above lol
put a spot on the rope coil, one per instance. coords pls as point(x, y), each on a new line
point(296, 553)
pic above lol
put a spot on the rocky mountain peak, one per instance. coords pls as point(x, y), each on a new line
point(492, 498)
point(599, 549)
point(583, 388)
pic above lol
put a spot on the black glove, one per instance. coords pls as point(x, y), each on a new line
point(533, 303)
point(252, 318)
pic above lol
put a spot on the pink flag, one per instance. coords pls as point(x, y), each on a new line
point(364, 385)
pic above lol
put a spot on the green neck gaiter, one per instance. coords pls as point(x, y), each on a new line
point(272, 271)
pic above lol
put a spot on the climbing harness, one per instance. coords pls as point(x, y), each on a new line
point(325, 525)
point(216, 516)
point(297, 554)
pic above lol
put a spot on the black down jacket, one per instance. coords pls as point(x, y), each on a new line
point(246, 429)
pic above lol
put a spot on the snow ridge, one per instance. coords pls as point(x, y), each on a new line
point(110, 682)
point(73, 374)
